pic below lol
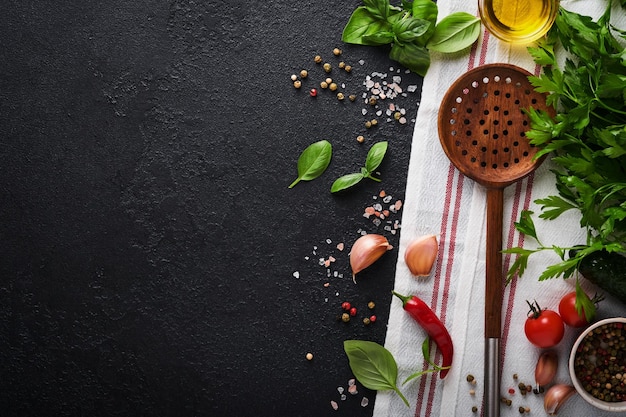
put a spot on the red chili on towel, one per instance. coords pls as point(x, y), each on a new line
point(433, 326)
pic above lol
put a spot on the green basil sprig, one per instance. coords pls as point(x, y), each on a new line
point(374, 158)
point(373, 366)
point(411, 30)
point(313, 161)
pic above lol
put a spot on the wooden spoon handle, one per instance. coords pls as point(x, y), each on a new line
point(494, 283)
point(493, 300)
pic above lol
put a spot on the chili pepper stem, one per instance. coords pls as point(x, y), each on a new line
point(404, 298)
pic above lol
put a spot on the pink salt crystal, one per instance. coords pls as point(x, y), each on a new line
point(398, 204)
point(334, 405)
point(331, 259)
point(353, 390)
point(340, 246)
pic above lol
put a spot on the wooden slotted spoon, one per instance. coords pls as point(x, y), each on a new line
point(482, 128)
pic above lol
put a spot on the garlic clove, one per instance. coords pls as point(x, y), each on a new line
point(421, 254)
point(366, 250)
point(556, 396)
point(546, 368)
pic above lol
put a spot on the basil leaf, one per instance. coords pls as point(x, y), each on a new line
point(425, 9)
point(412, 56)
point(378, 8)
point(375, 156)
point(380, 38)
point(346, 181)
point(362, 23)
point(454, 33)
point(313, 161)
point(373, 365)
point(410, 29)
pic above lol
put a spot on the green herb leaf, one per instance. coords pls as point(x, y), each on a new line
point(346, 181)
point(454, 33)
point(526, 224)
point(373, 366)
point(375, 156)
point(362, 24)
point(584, 303)
point(313, 161)
point(409, 29)
point(412, 56)
point(425, 9)
point(378, 8)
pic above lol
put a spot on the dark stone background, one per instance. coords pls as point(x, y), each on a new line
point(148, 239)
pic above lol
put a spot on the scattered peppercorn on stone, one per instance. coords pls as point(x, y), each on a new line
point(317, 59)
point(340, 96)
point(337, 51)
point(327, 67)
point(309, 356)
point(297, 83)
point(304, 73)
point(360, 139)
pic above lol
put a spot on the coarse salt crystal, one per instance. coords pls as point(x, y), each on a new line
point(412, 88)
point(296, 274)
point(387, 198)
point(397, 79)
point(364, 111)
point(340, 390)
point(364, 402)
point(329, 241)
point(351, 382)
point(343, 397)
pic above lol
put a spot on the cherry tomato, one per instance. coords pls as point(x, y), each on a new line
point(543, 328)
point(568, 312)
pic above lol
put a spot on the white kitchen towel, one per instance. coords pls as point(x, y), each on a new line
point(440, 201)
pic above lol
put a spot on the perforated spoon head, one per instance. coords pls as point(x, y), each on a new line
point(482, 124)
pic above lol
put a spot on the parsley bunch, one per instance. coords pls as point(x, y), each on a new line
point(586, 139)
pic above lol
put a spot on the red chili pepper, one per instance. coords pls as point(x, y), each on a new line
point(435, 329)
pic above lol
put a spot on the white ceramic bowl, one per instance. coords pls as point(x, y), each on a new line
point(603, 405)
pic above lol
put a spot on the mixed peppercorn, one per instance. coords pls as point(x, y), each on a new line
point(600, 362)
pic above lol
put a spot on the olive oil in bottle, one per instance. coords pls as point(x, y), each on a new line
point(518, 21)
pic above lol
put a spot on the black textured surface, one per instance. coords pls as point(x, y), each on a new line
point(147, 236)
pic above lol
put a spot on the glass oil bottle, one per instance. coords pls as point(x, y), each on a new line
point(518, 21)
